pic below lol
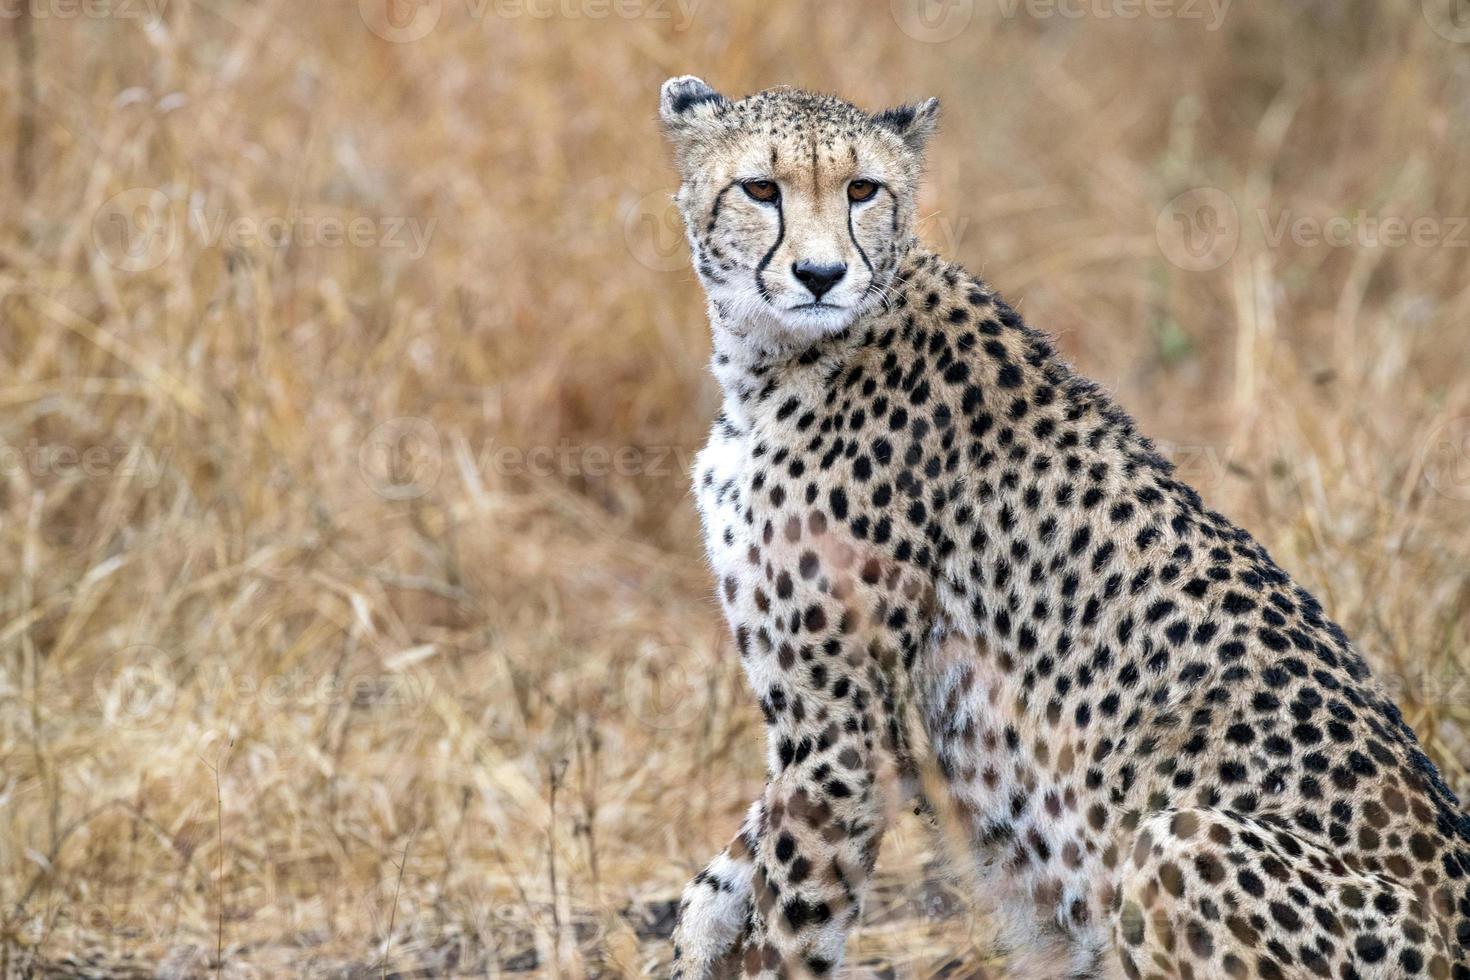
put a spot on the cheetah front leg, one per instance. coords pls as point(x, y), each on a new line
point(813, 864)
point(830, 682)
point(825, 625)
point(780, 899)
point(714, 913)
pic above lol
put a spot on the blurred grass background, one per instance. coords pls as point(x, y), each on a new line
point(353, 619)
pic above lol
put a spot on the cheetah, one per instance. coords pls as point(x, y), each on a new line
point(956, 573)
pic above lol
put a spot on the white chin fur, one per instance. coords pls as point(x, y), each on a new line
point(818, 322)
point(754, 329)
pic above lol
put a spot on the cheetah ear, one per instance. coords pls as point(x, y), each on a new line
point(913, 123)
point(685, 101)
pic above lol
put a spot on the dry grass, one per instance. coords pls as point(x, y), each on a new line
point(288, 687)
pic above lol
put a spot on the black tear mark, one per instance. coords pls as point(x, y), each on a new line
point(760, 268)
point(853, 236)
point(714, 212)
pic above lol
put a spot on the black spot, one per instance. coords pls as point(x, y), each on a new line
point(799, 913)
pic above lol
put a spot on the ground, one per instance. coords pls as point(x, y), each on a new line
point(352, 612)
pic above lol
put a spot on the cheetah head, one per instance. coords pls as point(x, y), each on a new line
point(798, 206)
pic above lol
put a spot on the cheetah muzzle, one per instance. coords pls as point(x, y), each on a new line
point(948, 561)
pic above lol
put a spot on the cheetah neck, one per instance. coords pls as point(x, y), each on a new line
point(756, 340)
point(753, 351)
point(753, 354)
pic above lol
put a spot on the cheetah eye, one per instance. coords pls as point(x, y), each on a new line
point(861, 190)
point(764, 191)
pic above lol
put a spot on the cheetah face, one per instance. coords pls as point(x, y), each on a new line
point(798, 207)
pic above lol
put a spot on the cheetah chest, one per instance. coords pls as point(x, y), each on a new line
point(719, 489)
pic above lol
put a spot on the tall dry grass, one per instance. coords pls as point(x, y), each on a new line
point(352, 616)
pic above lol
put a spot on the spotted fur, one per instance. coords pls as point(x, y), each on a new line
point(940, 550)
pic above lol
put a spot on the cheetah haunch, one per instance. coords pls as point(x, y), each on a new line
point(1161, 757)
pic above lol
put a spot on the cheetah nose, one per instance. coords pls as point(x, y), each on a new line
point(818, 278)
